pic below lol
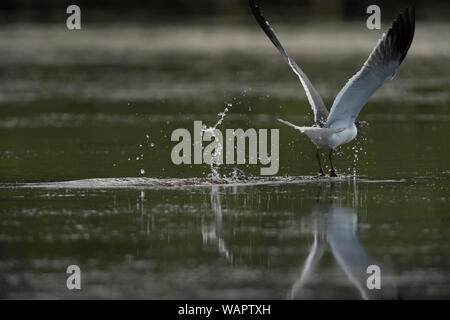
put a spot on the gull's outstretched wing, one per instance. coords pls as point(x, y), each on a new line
point(379, 68)
point(319, 109)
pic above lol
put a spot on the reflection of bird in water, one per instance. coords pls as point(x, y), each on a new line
point(214, 233)
point(336, 226)
point(333, 226)
point(340, 126)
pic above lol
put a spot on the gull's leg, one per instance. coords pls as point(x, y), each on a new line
point(320, 165)
point(332, 172)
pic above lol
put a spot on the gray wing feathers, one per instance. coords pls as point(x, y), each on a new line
point(317, 105)
point(379, 68)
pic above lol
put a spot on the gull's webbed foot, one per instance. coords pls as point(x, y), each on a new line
point(333, 173)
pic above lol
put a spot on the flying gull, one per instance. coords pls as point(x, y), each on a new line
point(339, 126)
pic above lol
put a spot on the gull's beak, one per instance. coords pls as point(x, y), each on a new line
point(363, 124)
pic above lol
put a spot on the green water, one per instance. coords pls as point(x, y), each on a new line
point(92, 114)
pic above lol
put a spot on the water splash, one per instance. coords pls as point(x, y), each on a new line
point(358, 150)
point(355, 158)
point(214, 165)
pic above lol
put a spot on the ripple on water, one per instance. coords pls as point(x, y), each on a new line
point(152, 183)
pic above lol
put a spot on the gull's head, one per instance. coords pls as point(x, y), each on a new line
point(361, 124)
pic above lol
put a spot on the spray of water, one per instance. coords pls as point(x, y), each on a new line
point(355, 158)
point(357, 151)
point(214, 165)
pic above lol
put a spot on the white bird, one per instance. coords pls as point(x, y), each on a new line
point(339, 126)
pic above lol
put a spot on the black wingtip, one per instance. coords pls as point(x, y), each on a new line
point(401, 33)
point(264, 24)
point(255, 9)
point(258, 15)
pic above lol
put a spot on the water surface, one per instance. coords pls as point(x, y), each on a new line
point(142, 227)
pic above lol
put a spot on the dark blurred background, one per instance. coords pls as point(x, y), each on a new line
point(180, 11)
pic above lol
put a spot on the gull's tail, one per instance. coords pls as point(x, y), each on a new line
point(291, 125)
point(314, 130)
